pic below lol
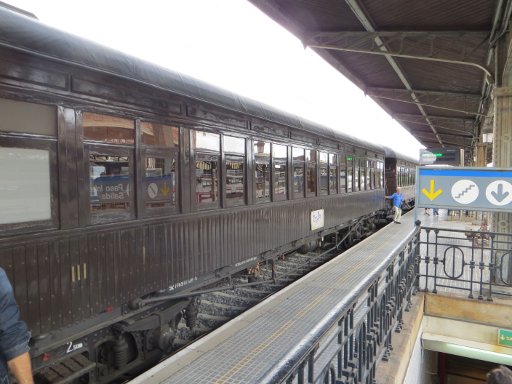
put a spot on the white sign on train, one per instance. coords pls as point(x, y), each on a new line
point(476, 189)
point(317, 219)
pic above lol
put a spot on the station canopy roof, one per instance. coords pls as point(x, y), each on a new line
point(429, 63)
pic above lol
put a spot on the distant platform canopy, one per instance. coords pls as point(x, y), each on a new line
point(429, 64)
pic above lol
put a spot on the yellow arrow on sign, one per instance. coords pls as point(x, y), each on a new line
point(165, 190)
point(432, 194)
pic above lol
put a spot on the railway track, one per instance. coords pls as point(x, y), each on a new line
point(217, 308)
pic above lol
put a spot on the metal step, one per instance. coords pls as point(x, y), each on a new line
point(67, 370)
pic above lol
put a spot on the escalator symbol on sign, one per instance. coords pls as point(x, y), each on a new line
point(499, 192)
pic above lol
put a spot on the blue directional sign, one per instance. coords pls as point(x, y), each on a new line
point(476, 189)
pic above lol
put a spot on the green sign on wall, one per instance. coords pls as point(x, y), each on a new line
point(505, 337)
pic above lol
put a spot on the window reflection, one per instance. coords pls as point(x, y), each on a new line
point(350, 173)
point(343, 174)
point(109, 129)
point(310, 172)
point(381, 174)
point(324, 174)
point(235, 180)
point(298, 172)
point(333, 173)
point(280, 171)
point(159, 185)
point(362, 174)
point(205, 140)
point(234, 145)
point(25, 187)
point(279, 151)
point(262, 170)
point(207, 185)
point(356, 175)
point(110, 184)
point(159, 135)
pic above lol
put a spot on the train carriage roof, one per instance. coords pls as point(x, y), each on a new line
point(392, 154)
point(27, 34)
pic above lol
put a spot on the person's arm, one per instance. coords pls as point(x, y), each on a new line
point(21, 368)
point(14, 335)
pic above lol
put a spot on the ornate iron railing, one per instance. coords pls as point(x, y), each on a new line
point(348, 350)
point(478, 263)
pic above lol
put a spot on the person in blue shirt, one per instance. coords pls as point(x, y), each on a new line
point(397, 198)
point(14, 337)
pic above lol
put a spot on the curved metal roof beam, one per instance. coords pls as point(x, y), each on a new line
point(405, 56)
point(428, 105)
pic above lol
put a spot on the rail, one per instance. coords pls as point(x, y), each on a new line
point(478, 263)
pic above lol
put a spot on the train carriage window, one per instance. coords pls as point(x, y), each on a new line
point(234, 145)
point(111, 184)
point(356, 175)
point(377, 174)
point(235, 170)
point(27, 193)
point(159, 181)
point(280, 166)
point(343, 174)
point(28, 167)
point(110, 168)
point(380, 176)
point(159, 135)
point(324, 174)
point(205, 141)
point(350, 173)
point(207, 181)
point(371, 174)
point(108, 129)
point(262, 171)
point(333, 173)
point(235, 180)
point(311, 172)
point(21, 117)
point(206, 147)
point(160, 144)
point(298, 172)
point(362, 174)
